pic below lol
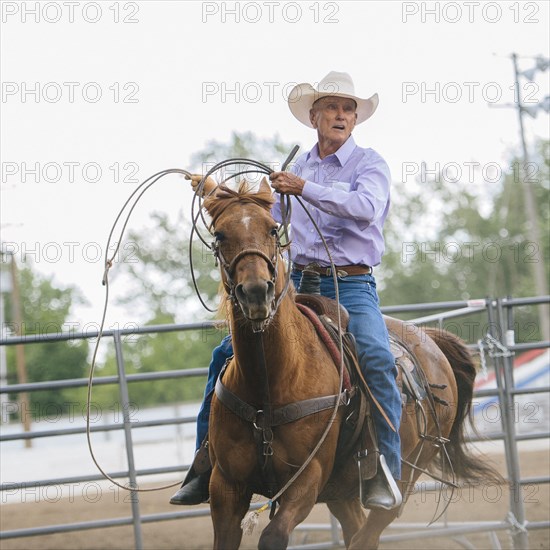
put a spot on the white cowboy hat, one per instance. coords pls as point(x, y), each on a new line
point(303, 96)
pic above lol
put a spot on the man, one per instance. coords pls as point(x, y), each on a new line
point(346, 189)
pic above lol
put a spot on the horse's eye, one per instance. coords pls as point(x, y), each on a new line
point(219, 236)
point(274, 232)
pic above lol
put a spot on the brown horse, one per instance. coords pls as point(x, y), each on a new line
point(278, 361)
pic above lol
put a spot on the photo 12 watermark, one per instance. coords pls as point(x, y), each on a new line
point(452, 252)
point(69, 12)
point(270, 12)
point(470, 12)
point(472, 331)
point(71, 329)
point(53, 252)
point(469, 172)
point(69, 171)
point(245, 92)
point(90, 492)
point(469, 92)
point(488, 492)
point(251, 91)
point(68, 411)
point(70, 92)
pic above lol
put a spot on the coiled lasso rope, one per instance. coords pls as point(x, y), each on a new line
point(249, 522)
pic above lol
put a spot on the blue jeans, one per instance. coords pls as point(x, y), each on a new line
point(358, 295)
point(219, 357)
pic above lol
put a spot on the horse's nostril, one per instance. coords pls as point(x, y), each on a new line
point(240, 292)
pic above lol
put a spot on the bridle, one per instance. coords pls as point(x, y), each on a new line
point(229, 268)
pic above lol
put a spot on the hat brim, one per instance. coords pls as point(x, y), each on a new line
point(303, 96)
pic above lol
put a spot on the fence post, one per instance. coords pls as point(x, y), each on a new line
point(125, 406)
point(503, 365)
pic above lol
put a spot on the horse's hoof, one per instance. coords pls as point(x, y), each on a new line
point(194, 492)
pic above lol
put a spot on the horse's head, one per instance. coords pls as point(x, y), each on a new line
point(247, 248)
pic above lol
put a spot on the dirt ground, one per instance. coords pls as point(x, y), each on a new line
point(489, 503)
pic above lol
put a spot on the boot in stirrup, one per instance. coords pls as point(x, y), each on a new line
point(194, 489)
point(380, 490)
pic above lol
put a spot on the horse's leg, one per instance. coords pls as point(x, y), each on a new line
point(295, 505)
point(290, 514)
point(368, 537)
point(350, 515)
point(229, 502)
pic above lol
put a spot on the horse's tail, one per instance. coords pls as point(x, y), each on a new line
point(465, 465)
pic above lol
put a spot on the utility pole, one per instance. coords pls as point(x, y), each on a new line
point(24, 408)
point(532, 218)
point(5, 286)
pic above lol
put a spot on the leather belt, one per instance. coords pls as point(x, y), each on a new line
point(341, 270)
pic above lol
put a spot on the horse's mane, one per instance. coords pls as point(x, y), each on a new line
point(223, 197)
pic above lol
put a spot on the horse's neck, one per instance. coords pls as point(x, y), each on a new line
point(279, 342)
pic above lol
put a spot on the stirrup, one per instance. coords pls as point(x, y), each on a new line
point(194, 489)
point(382, 480)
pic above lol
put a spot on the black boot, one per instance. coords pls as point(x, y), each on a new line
point(380, 491)
point(194, 489)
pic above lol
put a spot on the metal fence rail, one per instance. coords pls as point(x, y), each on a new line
point(500, 316)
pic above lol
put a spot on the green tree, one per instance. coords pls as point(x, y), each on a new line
point(45, 309)
point(475, 244)
point(270, 151)
point(159, 352)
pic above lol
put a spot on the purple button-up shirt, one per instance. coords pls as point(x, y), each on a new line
point(348, 195)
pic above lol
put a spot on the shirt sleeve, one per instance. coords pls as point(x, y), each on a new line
point(295, 168)
point(276, 208)
point(367, 197)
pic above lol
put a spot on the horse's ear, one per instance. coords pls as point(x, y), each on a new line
point(264, 186)
point(212, 198)
point(223, 192)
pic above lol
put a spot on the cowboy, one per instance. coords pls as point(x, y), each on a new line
point(347, 191)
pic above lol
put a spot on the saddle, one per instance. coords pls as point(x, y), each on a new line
point(324, 307)
point(358, 424)
point(409, 376)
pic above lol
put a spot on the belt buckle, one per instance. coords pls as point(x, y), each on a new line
point(342, 273)
point(327, 272)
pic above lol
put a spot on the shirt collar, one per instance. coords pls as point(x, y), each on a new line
point(341, 154)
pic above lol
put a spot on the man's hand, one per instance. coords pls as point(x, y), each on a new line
point(209, 184)
point(286, 182)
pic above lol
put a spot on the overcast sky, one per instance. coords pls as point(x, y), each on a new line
point(97, 96)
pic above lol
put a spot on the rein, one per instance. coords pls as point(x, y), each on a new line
point(251, 519)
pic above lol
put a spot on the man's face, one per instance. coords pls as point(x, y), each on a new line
point(334, 118)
